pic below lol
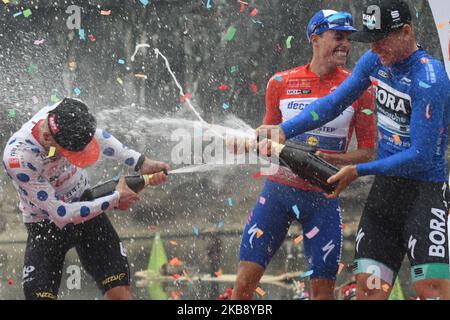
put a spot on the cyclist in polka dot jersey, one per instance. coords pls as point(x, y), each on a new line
point(49, 188)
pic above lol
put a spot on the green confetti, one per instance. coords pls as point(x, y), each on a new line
point(11, 113)
point(234, 69)
point(54, 98)
point(230, 33)
point(27, 13)
point(32, 68)
point(368, 112)
point(288, 42)
point(315, 115)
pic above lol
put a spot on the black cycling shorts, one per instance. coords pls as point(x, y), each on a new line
point(101, 254)
point(404, 216)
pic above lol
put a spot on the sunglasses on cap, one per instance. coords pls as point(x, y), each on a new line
point(339, 19)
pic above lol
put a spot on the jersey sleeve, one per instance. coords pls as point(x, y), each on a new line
point(273, 113)
point(38, 191)
point(112, 148)
point(365, 128)
point(428, 118)
point(323, 110)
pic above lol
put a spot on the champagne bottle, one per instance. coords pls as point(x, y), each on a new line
point(304, 163)
point(135, 183)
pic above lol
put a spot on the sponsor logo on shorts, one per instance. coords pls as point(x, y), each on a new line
point(359, 236)
point(123, 250)
point(327, 249)
point(411, 245)
point(46, 294)
point(116, 277)
point(437, 234)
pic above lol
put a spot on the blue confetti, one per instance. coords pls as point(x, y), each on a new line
point(306, 274)
point(17, 14)
point(424, 85)
point(77, 91)
point(225, 106)
point(278, 78)
point(196, 230)
point(297, 212)
point(82, 34)
point(121, 61)
point(208, 5)
point(220, 224)
point(144, 2)
point(258, 22)
point(230, 202)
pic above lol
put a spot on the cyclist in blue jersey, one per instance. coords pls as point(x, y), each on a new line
point(406, 211)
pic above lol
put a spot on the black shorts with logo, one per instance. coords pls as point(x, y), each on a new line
point(101, 254)
point(404, 216)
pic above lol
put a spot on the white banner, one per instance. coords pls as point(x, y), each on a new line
point(441, 14)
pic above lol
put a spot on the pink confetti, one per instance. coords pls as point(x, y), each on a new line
point(38, 42)
point(35, 99)
point(185, 97)
point(254, 12)
point(262, 200)
point(224, 87)
point(254, 87)
point(312, 233)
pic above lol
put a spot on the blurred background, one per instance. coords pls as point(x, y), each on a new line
point(200, 216)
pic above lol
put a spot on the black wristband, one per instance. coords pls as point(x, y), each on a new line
point(139, 163)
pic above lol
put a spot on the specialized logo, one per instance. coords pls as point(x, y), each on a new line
point(327, 249)
point(388, 100)
point(253, 231)
point(411, 245)
point(437, 234)
point(372, 18)
point(359, 236)
point(116, 277)
point(123, 250)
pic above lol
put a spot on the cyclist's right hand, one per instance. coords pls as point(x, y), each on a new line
point(127, 196)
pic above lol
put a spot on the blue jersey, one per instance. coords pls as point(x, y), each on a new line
point(412, 104)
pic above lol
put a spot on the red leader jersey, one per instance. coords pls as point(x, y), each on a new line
point(289, 92)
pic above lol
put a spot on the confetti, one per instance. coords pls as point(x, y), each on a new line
point(385, 287)
point(173, 242)
point(32, 68)
point(185, 97)
point(11, 113)
point(262, 200)
point(397, 139)
point(260, 291)
point(424, 85)
point(224, 87)
point(27, 13)
point(306, 274)
point(288, 42)
point(51, 152)
point(81, 34)
point(258, 22)
point(10, 282)
point(105, 12)
point(120, 81)
point(311, 234)
point(257, 176)
point(259, 233)
point(441, 25)
point(427, 112)
point(141, 76)
point(367, 112)
point(254, 12)
point(344, 226)
point(17, 14)
point(341, 267)
point(196, 230)
point(54, 98)
point(225, 106)
point(233, 69)
point(220, 224)
point(254, 87)
point(38, 42)
point(35, 99)
point(230, 201)
point(5, 1)
point(230, 33)
point(208, 5)
point(242, 9)
point(298, 239)
point(218, 273)
point(297, 212)
point(91, 38)
point(278, 78)
point(144, 2)
point(175, 262)
point(121, 61)
point(176, 295)
point(176, 276)
point(77, 91)
point(315, 115)
point(186, 274)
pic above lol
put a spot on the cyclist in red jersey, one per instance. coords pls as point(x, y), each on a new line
point(285, 196)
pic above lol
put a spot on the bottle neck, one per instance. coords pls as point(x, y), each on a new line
point(147, 178)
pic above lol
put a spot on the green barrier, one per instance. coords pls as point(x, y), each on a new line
point(157, 258)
